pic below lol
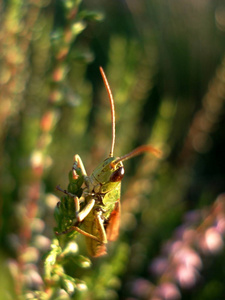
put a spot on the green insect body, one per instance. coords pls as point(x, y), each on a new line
point(105, 182)
point(92, 203)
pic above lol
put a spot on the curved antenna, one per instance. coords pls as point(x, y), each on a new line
point(112, 110)
point(137, 151)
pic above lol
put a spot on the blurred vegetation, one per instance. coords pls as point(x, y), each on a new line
point(165, 61)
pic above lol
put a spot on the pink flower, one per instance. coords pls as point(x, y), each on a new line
point(159, 266)
point(167, 291)
point(186, 276)
point(212, 241)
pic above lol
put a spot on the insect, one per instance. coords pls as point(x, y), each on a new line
point(96, 198)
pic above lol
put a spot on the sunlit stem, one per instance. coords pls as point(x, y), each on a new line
point(137, 151)
point(112, 111)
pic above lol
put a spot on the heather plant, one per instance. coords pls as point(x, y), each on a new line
point(165, 65)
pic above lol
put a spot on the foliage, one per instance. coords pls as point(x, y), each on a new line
point(165, 64)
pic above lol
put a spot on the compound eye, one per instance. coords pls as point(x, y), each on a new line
point(117, 175)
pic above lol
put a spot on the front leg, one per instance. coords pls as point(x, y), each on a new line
point(78, 163)
point(86, 210)
point(80, 216)
point(77, 201)
point(102, 238)
point(77, 177)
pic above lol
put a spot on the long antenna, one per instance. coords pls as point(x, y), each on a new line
point(112, 110)
point(137, 151)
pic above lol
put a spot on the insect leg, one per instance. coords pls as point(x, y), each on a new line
point(85, 211)
point(80, 164)
point(96, 227)
point(81, 216)
point(76, 199)
point(72, 228)
point(65, 191)
point(77, 205)
point(100, 226)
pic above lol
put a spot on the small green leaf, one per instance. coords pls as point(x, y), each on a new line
point(69, 286)
point(82, 261)
point(91, 15)
point(70, 249)
point(78, 27)
point(71, 4)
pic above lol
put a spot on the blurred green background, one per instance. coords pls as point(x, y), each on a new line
point(166, 67)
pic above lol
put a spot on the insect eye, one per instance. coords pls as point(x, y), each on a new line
point(117, 175)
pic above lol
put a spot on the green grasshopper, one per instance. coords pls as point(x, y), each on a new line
point(96, 198)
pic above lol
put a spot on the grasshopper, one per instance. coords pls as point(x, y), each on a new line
point(96, 198)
